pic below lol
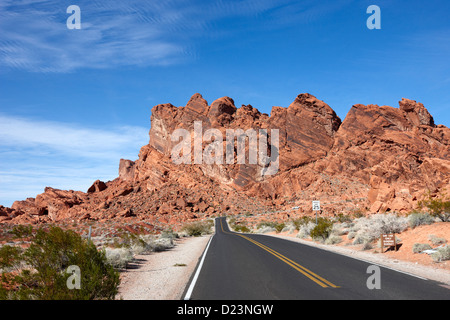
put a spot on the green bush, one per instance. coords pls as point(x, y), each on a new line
point(48, 258)
point(9, 257)
point(438, 206)
point(197, 228)
point(241, 228)
point(279, 227)
point(22, 231)
point(322, 230)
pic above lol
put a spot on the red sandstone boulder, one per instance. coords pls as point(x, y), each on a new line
point(126, 170)
point(97, 186)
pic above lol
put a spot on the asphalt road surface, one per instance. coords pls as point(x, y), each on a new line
point(240, 266)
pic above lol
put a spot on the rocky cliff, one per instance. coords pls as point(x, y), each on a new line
point(378, 159)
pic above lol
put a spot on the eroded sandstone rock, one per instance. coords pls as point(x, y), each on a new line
point(379, 158)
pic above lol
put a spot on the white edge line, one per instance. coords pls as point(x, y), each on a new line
point(390, 268)
point(194, 280)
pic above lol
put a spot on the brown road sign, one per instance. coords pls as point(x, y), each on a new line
point(388, 240)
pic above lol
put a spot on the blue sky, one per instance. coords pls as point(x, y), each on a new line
point(73, 102)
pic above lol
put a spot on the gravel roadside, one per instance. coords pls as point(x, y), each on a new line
point(162, 275)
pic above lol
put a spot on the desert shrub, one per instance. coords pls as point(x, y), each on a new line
point(128, 240)
point(265, 229)
point(322, 230)
point(417, 219)
point(279, 227)
point(371, 228)
point(442, 254)
point(358, 213)
point(149, 243)
point(436, 241)
point(138, 248)
point(197, 228)
point(241, 228)
point(162, 244)
point(119, 257)
point(264, 224)
point(238, 226)
point(121, 254)
point(48, 258)
point(390, 223)
point(333, 239)
point(210, 224)
point(438, 206)
point(340, 229)
point(9, 257)
point(169, 233)
point(298, 223)
point(367, 246)
point(343, 218)
point(289, 227)
point(305, 230)
point(22, 231)
point(362, 239)
point(419, 247)
point(351, 235)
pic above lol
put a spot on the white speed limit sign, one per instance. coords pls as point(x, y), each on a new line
point(316, 205)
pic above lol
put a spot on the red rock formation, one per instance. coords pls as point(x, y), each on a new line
point(377, 159)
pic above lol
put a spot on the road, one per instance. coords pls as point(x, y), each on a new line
point(257, 267)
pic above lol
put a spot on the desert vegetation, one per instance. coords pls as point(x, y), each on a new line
point(122, 248)
point(35, 262)
point(363, 231)
point(198, 228)
point(125, 247)
point(41, 271)
point(438, 206)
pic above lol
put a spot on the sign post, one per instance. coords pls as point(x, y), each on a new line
point(316, 207)
point(388, 240)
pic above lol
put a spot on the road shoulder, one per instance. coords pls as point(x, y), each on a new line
point(163, 275)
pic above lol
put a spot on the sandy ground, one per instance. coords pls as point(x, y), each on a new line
point(162, 275)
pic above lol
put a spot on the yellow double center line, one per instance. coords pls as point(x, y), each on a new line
point(308, 273)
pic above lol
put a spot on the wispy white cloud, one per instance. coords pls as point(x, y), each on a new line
point(36, 153)
point(35, 38)
point(68, 138)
